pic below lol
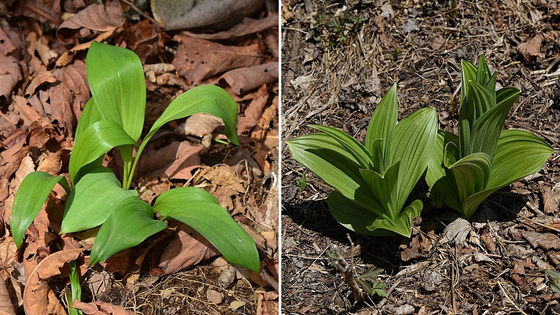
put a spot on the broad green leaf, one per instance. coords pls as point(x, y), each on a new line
point(414, 138)
point(30, 197)
point(471, 174)
point(519, 153)
point(177, 197)
point(350, 214)
point(382, 126)
point(92, 201)
point(118, 87)
point(485, 132)
point(436, 169)
point(94, 142)
point(131, 223)
point(385, 188)
point(471, 203)
point(401, 225)
point(89, 116)
point(220, 229)
point(327, 158)
point(349, 143)
point(209, 99)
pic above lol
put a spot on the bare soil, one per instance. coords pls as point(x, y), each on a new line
point(338, 60)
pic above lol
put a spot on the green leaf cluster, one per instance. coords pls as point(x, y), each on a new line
point(373, 181)
point(483, 158)
point(114, 118)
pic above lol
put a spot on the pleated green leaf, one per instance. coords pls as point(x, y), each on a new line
point(93, 143)
point(92, 201)
point(351, 215)
point(519, 153)
point(381, 126)
point(327, 158)
point(30, 197)
point(129, 225)
point(206, 216)
point(401, 225)
point(118, 87)
point(486, 130)
point(414, 138)
point(352, 145)
point(385, 188)
point(471, 174)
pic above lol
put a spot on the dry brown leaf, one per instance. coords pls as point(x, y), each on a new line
point(199, 125)
point(267, 303)
point(75, 5)
point(247, 79)
point(223, 175)
point(11, 158)
point(543, 240)
point(187, 248)
point(271, 41)
point(4, 189)
point(37, 291)
point(100, 308)
point(6, 45)
point(8, 254)
point(145, 39)
point(199, 59)
point(251, 115)
point(551, 199)
point(95, 17)
point(246, 27)
point(6, 306)
point(10, 75)
point(176, 160)
point(437, 42)
point(53, 163)
point(39, 10)
point(68, 56)
point(69, 96)
point(26, 112)
point(531, 48)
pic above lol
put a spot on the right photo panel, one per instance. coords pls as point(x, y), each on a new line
point(420, 164)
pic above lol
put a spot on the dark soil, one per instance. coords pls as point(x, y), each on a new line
point(335, 69)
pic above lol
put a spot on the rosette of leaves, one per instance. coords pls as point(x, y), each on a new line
point(114, 118)
point(373, 181)
point(483, 158)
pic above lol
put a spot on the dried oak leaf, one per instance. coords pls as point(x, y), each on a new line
point(95, 17)
point(37, 291)
point(6, 45)
point(101, 308)
point(199, 59)
point(544, 240)
point(187, 248)
point(177, 160)
point(10, 74)
point(253, 112)
point(39, 10)
point(246, 27)
point(248, 79)
point(531, 48)
point(6, 306)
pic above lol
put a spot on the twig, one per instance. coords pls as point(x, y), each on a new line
point(347, 271)
point(526, 218)
point(509, 299)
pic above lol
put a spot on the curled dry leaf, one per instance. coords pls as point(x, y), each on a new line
point(187, 248)
point(100, 308)
point(253, 112)
point(531, 48)
point(39, 10)
point(246, 27)
point(247, 79)
point(200, 124)
point(37, 290)
point(6, 306)
point(10, 75)
point(95, 17)
point(199, 59)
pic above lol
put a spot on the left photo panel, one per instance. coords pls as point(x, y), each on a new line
point(139, 164)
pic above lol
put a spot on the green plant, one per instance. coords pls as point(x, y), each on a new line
point(553, 278)
point(302, 182)
point(114, 117)
point(375, 288)
point(373, 181)
point(483, 158)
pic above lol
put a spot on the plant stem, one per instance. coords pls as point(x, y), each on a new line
point(75, 288)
